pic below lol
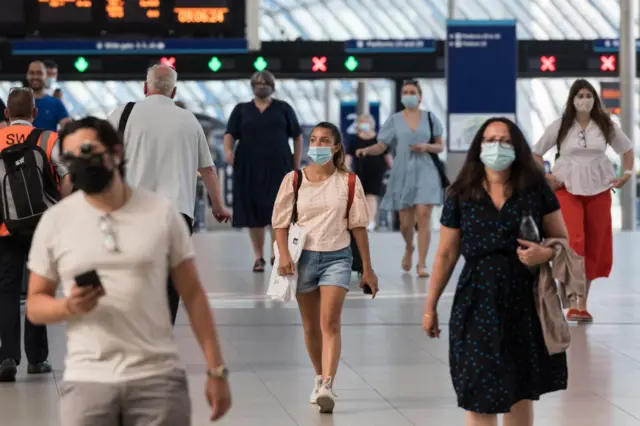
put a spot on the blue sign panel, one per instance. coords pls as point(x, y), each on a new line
point(128, 47)
point(610, 45)
point(420, 45)
point(481, 76)
point(349, 119)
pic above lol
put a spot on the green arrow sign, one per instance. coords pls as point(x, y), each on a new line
point(260, 64)
point(81, 64)
point(215, 64)
point(351, 63)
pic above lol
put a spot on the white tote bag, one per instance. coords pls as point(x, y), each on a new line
point(283, 288)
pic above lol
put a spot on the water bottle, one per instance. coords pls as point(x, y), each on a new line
point(528, 228)
point(529, 231)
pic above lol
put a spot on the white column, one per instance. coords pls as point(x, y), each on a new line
point(452, 9)
point(328, 98)
point(363, 98)
point(628, 113)
point(253, 24)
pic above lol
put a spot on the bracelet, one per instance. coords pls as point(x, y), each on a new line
point(628, 172)
point(428, 316)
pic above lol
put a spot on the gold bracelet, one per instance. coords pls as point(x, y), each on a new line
point(428, 316)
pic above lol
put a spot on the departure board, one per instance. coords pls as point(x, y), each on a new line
point(65, 11)
point(133, 11)
point(201, 11)
point(12, 11)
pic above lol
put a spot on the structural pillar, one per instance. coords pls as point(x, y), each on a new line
point(252, 11)
point(627, 60)
point(362, 107)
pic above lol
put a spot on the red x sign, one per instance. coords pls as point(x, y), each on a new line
point(319, 64)
point(547, 63)
point(170, 62)
point(608, 63)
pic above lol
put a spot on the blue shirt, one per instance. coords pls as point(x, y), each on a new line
point(50, 112)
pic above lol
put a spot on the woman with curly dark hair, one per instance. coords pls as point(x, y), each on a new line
point(583, 177)
point(497, 355)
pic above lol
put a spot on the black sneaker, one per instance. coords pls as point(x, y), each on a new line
point(8, 370)
point(39, 368)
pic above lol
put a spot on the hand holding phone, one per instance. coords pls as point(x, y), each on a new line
point(84, 296)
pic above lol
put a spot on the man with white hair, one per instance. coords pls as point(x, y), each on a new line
point(165, 148)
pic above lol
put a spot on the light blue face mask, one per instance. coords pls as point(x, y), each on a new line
point(320, 155)
point(497, 156)
point(365, 127)
point(410, 101)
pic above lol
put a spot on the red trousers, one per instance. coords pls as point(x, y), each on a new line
point(588, 220)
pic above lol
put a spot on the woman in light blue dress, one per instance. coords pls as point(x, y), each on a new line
point(414, 186)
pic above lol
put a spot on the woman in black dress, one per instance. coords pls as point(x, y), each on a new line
point(261, 158)
point(498, 359)
point(370, 170)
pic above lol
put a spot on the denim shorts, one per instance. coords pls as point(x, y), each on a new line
point(318, 268)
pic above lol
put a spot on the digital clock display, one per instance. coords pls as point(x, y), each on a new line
point(65, 11)
point(201, 11)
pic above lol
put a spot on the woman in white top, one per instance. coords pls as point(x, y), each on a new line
point(324, 268)
point(583, 177)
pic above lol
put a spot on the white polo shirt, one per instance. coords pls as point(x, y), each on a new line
point(583, 165)
point(164, 148)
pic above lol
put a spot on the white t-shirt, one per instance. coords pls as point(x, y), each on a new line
point(583, 165)
point(128, 336)
point(164, 148)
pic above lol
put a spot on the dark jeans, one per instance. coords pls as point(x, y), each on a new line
point(13, 258)
point(174, 297)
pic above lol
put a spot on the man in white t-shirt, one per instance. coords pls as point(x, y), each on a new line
point(166, 148)
point(111, 260)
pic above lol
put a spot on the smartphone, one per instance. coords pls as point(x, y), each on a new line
point(366, 289)
point(88, 279)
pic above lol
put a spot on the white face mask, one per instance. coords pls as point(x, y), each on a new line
point(583, 104)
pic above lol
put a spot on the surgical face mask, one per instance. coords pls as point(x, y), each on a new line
point(365, 127)
point(50, 82)
point(583, 104)
point(89, 174)
point(262, 92)
point(497, 156)
point(410, 101)
point(320, 155)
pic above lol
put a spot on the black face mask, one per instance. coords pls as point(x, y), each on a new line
point(262, 92)
point(89, 174)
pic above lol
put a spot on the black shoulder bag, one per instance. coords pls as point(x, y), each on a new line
point(444, 180)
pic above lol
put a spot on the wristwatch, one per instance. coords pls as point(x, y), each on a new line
point(220, 372)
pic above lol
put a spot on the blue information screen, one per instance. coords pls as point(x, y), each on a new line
point(481, 76)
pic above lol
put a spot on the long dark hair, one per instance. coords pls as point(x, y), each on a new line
point(598, 114)
point(524, 174)
point(338, 156)
point(107, 136)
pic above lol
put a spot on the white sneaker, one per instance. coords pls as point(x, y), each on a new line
point(372, 226)
point(317, 384)
point(326, 399)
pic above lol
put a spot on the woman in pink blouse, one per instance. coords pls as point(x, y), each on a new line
point(583, 177)
point(324, 269)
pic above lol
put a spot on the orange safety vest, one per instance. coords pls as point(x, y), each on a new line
point(18, 133)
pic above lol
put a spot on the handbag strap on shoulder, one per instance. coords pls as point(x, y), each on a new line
point(297, 182)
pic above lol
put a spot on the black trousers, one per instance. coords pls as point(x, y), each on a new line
point(13, 273)
point(174, 297)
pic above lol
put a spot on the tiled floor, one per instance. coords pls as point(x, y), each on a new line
point(391, 374)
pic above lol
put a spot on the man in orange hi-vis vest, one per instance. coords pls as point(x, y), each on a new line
point(20, 113)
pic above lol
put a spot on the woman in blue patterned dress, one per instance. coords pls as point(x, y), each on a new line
point(497, 355)
point(414, 186)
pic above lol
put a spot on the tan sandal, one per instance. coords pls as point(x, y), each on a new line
point(407, 259)
point(422, 271)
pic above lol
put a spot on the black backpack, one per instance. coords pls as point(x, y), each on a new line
point(28, 185)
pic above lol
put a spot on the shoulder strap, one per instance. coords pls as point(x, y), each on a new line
point(34, 137)
point(297, 183)
point(352, 192)
point(124, 118)
point(431, 138)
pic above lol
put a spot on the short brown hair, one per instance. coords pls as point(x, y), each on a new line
point(21, 103)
